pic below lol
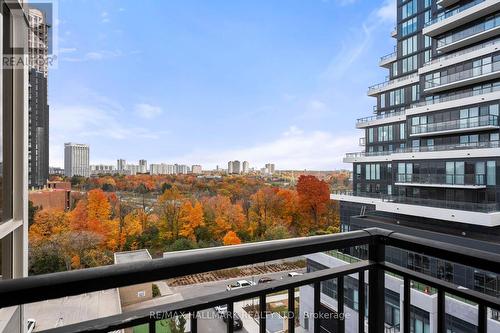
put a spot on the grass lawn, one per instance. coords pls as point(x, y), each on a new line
point(161, 327)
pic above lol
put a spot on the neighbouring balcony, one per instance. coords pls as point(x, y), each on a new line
point(393, 84)
point(482, 123)
point(470, 76)
point(458, 95)
point(361, 122)
point(388, 59)
point(472, 181)
point(474, 34)
point(370, 273)
point(461, 53)
point(459, 16)
point(449, 13)
point(352, 157)
point(434, 203)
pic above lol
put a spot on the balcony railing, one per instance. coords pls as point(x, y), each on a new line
point(386, 57)
point(381, 116)
point(455, 11)
point(455, 96)
point(448, 204)
point(491, 23)
point(50, 286)
point(424, 149)
point(459, 124)
point(389, 83)
point(442, 179)
point(463, 75)
point(462, 52)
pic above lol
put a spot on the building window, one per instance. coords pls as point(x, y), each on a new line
point(415, 93)
point(370, 135)
point(409, 45)
point(402, 131)
point(409, 27)
point(409, 64)
point(409, 9)
point(491, 173)
point(395, 69)
point(382, 100)
point(372, 171)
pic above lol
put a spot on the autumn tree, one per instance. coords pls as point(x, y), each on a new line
point(169, 208)
point(48, 222)
point(191, 218)
point(314, 195)
point(231, 238)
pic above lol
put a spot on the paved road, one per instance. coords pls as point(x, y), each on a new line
point(212, 325)
point(201, 289)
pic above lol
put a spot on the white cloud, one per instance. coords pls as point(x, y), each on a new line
point(67, 50)
point(388, 11)
point(92, 118)
point(148, 111)
point(95, 56)
point(293, 149)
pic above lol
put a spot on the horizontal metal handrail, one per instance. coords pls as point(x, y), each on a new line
point(463, 75)
point(55, 285)
point(381, 116)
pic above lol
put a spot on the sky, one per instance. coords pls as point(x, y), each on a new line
point(208, 81)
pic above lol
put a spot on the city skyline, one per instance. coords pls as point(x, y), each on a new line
point(280, 98)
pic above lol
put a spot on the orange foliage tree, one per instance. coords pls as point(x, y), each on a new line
point(231, 238)
point(313, 195)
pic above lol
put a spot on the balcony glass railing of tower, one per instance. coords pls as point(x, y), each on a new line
point(423, 149)
point(490, 23)
point(449, 13)
point(479, 67)
point(462, 52)
point(442, 179)
point(480, 207)
point(475, 91)
point(488, 121)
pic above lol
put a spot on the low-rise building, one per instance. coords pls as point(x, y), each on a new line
point(139, 292)
point(56, 195)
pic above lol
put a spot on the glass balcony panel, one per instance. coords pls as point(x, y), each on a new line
point(481, 121)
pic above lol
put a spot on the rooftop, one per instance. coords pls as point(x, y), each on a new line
point(63, 311)
point(132, 256)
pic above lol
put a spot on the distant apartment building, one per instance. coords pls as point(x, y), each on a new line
point(38, 108)
point(101, 169)
point(121, 164)
point(181, 169)
point(161, 169)
point(132, 169)
point(56, 171)
point(196, 169)
point(56, 195)
point(143, 166)
point(76, 160)
point(246, 167)
point(271, 168)
point(234, 167)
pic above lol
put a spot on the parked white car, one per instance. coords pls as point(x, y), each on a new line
point(240, 284)
point(221, 309)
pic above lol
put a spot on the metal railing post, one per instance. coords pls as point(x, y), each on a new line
point(317, 307)
point(361, 302)
point(406, 305)
point(340, 304)
point(441, 311)
point(262, 313)
point(291, 310)
point(376, 291)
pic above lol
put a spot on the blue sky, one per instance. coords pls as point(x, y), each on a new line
point(206, 81)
